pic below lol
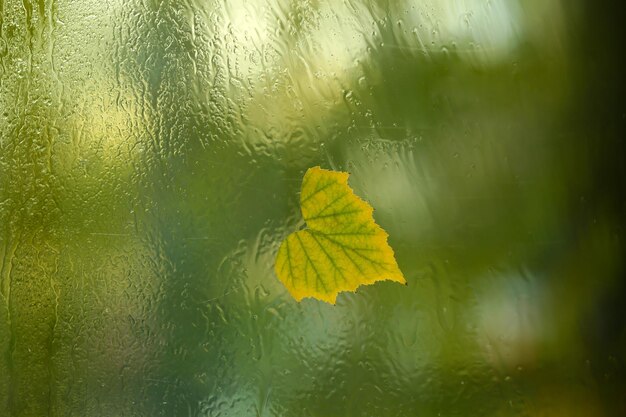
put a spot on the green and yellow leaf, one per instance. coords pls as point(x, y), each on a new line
point(342, 247)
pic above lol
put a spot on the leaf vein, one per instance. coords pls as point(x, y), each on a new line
point(336, 214)
point(330, 259)
point(319, 277)
point(317, 191)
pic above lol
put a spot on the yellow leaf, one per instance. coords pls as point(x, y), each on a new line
point(341, 249)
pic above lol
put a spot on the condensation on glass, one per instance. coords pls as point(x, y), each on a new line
point(151, 154)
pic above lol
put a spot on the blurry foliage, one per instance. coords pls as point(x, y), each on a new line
point(151, 153)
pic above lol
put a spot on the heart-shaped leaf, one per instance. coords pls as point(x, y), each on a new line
point(341, 249)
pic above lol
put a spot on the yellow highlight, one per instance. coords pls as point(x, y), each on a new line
point(342, 248)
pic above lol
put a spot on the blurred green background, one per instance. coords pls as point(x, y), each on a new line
point(151, 155)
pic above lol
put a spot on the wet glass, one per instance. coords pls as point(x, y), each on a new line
point(151, 156)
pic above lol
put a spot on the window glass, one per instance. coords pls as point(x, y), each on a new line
point(151, 158)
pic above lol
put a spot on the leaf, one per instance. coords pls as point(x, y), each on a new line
point(341, 249)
